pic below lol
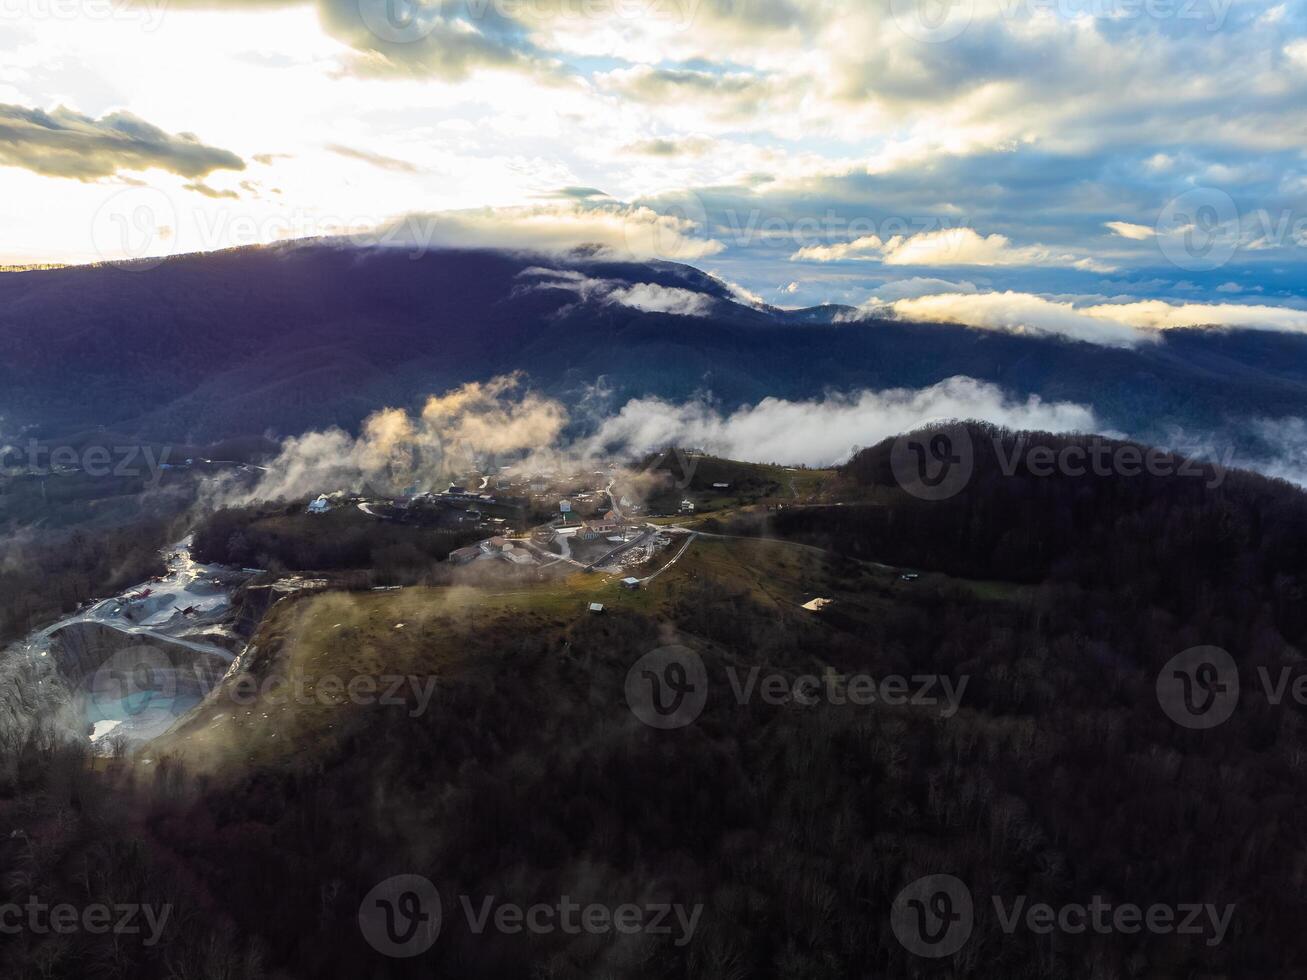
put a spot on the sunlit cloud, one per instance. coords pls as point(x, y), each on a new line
point(1132, 231)
point(63, 143)
point(625, 229)
point(1019, 313)
point(982, 148)
point(824, 431)
point(946, 247)
point(1116, 324)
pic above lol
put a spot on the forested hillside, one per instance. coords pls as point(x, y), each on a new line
point(1052, 603)
point(280, 340)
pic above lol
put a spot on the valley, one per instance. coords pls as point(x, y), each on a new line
point(875, 666)
point(645, 490)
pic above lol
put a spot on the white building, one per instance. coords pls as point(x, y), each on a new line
point(462, 556)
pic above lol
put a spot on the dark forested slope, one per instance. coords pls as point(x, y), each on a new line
point(284, 339)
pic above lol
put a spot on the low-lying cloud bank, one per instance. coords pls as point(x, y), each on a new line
point(482, 425)
point(591, 220)
point(1286, 456)
point(648, 297)
point(396, 448)
point(1019, 313)
point(1113, 324)
point(820, 433)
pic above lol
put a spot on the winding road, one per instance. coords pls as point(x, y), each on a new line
point(183, 571)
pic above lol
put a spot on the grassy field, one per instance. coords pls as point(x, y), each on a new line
point(429, 632)
point(749, 483)
point(756, 478)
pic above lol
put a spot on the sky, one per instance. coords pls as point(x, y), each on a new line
point(1100, 169)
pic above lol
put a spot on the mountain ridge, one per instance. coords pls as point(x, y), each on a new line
point(289, 338)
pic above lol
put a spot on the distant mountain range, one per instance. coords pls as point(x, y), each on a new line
point(284, 339)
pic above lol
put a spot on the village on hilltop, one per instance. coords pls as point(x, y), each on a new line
point(597, 520)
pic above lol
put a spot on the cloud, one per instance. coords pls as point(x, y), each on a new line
point(1161, 315)
point(1134, 232)
point(782, 106)
point(736, 93)
point(481, 426)
point(741, 295)
point(627, 229)
point(688, 147)
point(396, 448)
point(1286, 454)
point(64, 143)
point(653, 298)
point(496, 417)
point(1018, 313)
point(964, 246)
point(867, 248)
point(1115, 324)
point(647, 297)
point(823, 432)
point(945, 247)
point(500, 422)
point(447, 40)
point(375, 159)
point(921, 286)
point(200, 187)
point(578, 194)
